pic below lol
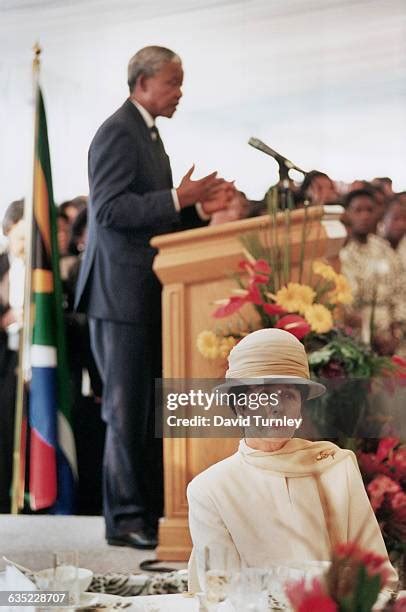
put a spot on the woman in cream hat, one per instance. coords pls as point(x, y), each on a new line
point(279, 499)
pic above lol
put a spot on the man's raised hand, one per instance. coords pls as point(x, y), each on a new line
point(189, 191)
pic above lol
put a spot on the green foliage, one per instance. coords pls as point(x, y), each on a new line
point(365, 594)
point(356, 359)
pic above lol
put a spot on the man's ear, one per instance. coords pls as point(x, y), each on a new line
point(142, 82)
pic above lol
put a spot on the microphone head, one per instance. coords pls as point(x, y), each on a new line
point(255, 142)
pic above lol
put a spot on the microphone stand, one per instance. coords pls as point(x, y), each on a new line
point(285, 193)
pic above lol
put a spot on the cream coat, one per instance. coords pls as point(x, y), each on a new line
point(280, 507)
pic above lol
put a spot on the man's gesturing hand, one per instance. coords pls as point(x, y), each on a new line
point(189, 192)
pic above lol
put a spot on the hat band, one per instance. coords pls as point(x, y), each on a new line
point(270, 369)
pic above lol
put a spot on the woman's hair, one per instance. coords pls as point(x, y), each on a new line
point(77, 230)
point(14, 213)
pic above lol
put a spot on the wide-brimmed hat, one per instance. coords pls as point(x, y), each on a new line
point(268, 357)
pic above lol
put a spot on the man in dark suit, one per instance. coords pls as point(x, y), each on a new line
point(132, 199)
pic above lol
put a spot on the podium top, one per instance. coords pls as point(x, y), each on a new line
point(207, 251)
point(313, 213)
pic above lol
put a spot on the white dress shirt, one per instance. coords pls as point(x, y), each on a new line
point(150, 122)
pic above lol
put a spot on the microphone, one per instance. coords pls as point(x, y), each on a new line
point(261, 146)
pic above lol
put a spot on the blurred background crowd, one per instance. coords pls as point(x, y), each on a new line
point(373, 258)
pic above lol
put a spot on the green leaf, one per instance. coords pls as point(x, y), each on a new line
point(366, 590)
point(320, 357)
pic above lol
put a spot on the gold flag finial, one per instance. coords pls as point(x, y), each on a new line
point(37, 53)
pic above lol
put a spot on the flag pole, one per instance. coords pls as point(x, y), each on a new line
point(24, 365)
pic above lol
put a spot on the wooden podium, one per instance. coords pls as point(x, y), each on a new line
point(194, 268)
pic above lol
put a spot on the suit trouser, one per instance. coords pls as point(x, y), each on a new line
point(8, 365)
point(129, 359)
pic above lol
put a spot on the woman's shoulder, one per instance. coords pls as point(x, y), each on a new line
point(214, 474)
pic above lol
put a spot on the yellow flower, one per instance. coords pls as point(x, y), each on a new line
point(226, 344)
point(307, 296)
point(319, 318)
point(295, 297)
point(324, 270)
point(342, 293)
point(208, 344)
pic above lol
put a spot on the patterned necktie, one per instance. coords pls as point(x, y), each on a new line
point(154, 133)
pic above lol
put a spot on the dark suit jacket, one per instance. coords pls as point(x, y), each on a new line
point(130, 201)
point(4, 306)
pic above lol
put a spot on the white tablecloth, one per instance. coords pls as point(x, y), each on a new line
point(162, 603)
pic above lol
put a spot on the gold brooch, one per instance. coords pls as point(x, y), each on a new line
point(325, 454)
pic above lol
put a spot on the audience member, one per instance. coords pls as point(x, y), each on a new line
point(66, 261)
point(85, 381)
point(318, 188)
point(63, 229)
point(401, 248)
point(11, 302)
point(394, 225)
point(237, 208)
point(385, 183)
point(71, 208)
point(372, 268)
point(78, 235)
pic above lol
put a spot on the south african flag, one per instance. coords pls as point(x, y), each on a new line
point(53, 470)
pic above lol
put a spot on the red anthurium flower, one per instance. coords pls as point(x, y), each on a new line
point(321, 603)
point(309, 599)
point(273, 309)
point(230, 306)
point(400, 362)
point(259, 271)
point(254, 294)
point(374, 564)
point(294, 324)
point(346, 549)
point(400, 371)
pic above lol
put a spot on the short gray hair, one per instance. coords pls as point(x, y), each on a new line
point(148, 61)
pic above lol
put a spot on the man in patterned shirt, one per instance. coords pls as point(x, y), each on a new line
point(394, 227)
point(378, 312)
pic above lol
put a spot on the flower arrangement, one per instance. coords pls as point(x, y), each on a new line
point(352, 583)
point(299, 308)
point(309, 310)
point(384, 472)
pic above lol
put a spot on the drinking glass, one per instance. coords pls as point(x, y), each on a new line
point(249, 590)
point(66, 574)
point(215, 572)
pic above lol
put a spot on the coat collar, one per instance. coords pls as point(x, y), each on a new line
point(297, 458)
